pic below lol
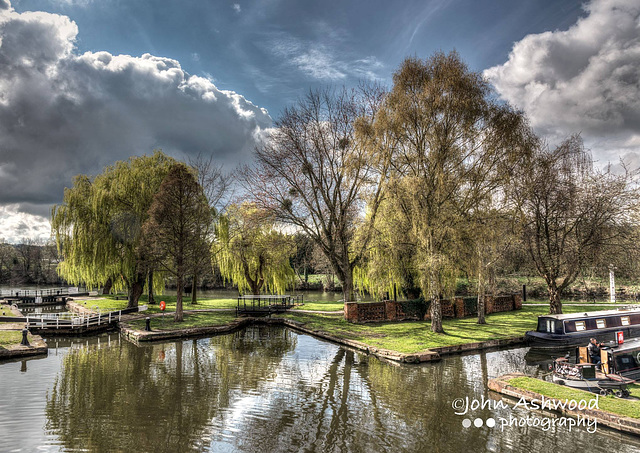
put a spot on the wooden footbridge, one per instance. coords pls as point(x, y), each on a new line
point(265, 305)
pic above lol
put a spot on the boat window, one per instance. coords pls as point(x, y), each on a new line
point(625, 320)
point(580, 325)
point(601, 323)
point(551, 326)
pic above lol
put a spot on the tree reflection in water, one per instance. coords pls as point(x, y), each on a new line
point(269, 389)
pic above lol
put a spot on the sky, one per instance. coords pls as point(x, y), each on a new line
point(85, 83)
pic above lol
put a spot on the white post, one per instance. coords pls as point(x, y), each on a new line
point(612, 284)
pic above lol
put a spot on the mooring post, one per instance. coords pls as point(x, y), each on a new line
point(25, 341)
point(148, 324)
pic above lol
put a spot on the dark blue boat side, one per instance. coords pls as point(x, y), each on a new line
point(560, 331)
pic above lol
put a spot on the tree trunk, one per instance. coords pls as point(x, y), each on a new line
point(347, 287)
point(194, 291)
point(255, 287)
point(106, 289)
point(555, 305)
point(179, 317)
point(135, 290)
point(481, 300)
point(150, 285)
point(436, 306)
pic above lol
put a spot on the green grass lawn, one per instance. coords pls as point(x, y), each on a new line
point(9, 337)
point(628, 408)
point(190, 320)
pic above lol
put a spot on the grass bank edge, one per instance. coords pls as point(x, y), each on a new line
point(623, 407)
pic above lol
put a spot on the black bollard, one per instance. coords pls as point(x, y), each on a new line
point(524, 293)
point(148, 326)
point(25, 341)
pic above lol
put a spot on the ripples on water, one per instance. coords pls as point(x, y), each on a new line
point(263, 389)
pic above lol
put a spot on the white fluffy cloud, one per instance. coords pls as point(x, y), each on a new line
point(62, 113)
point(16, 226)
point(585, 79)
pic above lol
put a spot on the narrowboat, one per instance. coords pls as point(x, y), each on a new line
point(620, 366)
point(561, 331)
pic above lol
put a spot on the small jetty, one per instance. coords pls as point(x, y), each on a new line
point(266, 305)
point(39, 297)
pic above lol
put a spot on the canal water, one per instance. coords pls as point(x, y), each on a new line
point(267, 389)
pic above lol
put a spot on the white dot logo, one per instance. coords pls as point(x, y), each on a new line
point(478, 422)
point(466, 423)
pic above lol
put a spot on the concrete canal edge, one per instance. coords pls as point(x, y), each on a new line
point(430, 355)
point(609, 419)
point(37, 347)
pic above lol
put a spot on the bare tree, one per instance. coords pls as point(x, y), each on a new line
point(315, 172)
point(216, 186)
point(571, 214)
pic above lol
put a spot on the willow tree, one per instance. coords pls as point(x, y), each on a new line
point(389, 268)
point(316, 172)
point(176, 233)
point(98, 226)
point(449, 147)
point(251, 252)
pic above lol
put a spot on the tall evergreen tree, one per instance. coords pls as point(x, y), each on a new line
point(176, 232)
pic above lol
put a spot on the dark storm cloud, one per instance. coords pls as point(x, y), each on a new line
point(584, 79)
point(62, 114)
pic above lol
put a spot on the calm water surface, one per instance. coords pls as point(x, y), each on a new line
point(263, 389)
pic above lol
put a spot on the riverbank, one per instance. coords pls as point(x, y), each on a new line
point(407, 342)
point(620, 414)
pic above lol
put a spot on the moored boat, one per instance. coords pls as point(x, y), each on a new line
point(619, 367)
point(561, 331)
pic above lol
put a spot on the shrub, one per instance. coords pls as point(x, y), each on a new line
point(416, 308)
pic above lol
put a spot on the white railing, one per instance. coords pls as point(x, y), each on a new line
point(72, 320)
point(75, 320)
point(17, 292)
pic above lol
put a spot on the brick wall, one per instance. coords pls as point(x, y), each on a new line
point(451, 308)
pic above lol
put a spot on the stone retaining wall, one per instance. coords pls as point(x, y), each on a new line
point(37, 346)
point(389, 310)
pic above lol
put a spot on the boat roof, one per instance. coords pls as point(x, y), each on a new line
point(628, 345)
point(593, 314)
